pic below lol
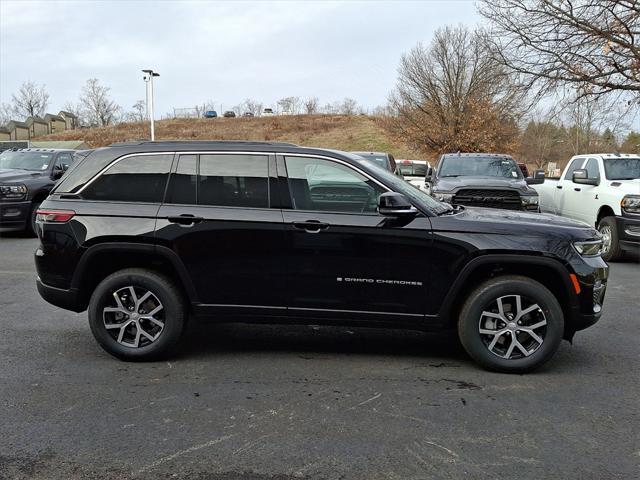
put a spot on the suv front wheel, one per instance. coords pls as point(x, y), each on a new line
point(137, 314)
point(511, 324)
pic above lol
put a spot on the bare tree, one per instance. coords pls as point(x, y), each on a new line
point(591, 45)
point(139, 112)
point(251, 106)
point(349, 106)
point(455, 96)
point(30, 101)
point(204, 107)
point(289, 105)
point(311, 105)
point(6, 112)
point(99, 109)
point(76, 109)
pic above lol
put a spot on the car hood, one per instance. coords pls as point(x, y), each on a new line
point(625, 187)
point(448, 184)
point(17, 175)
point(513, 217)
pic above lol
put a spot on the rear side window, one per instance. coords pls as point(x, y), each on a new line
point(139, 178)
point(234, 180)
point(221, 180)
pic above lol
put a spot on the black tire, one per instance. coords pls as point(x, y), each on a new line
point(609, 228)
point(31, 222)
point(172, 315)
point(531, 293)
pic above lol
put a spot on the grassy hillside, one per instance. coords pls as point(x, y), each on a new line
point(338, 132)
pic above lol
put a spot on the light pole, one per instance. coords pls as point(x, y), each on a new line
point(148, 80)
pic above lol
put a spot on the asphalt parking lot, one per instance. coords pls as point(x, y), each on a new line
point(273, 402)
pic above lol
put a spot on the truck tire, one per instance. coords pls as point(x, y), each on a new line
point(137, 314)
point(611, 250)
point(511, 324)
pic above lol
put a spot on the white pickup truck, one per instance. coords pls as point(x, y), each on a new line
point(602, 190)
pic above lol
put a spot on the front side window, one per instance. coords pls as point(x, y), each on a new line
point(183, 184)
point(64, 161)
point(324, 185)
point(234, 180)
point(139, 178)
point(575, 165)
point(592, 168)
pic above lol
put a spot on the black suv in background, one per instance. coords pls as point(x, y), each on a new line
point(26, 178)
point(144, 235)
point(483, 180)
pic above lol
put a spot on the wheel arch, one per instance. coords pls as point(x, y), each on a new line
point(551, 273)
point(604, 211)
point(101, 260)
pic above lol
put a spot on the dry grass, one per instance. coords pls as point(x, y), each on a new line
point(326, 131)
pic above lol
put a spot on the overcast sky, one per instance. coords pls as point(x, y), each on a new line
point(223, 51)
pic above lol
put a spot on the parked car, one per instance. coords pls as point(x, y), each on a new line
point(384, 160)
point(483, 180)
point(602, 190)
point(210, 114)
point(414, 172)
point(267, 112)
point(26, 178)
point(247, 114)
point(229, 114)
point(257, 231)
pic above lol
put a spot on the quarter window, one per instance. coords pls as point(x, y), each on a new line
point(234, 180)
point(324, 185)
point(140, 178)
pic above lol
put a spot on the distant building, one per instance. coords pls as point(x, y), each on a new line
point(70, 119)
point(5, 134)
point(37, 127)
point(19, 130)
point(56, 123)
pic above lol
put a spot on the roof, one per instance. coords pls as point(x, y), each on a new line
point(200, 143)
point(609, 155)
point(32, 120)
point(62, 144)
point(477, 154)
point(16, 123)
point(4, 130)
point(51, 116)
point(369, 153)
point(63, 113)
point(42, 150)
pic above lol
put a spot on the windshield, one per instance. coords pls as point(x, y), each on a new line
point(36, 161)
point(480, 166)
point(622, 168)
point(414, 194)
point(413, 169)
point(380, 160)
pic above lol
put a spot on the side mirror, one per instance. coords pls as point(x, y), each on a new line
point(537, 179)
point(428, 175)
point(393, 204)
point(58, 171)
point(581, 176)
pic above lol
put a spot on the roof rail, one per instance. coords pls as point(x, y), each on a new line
point(200, 142)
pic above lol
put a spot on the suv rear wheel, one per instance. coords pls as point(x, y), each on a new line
point(137, 314)
point(511, 324)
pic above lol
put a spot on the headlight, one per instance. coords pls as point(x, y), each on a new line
point(590, 248)
point(14, 192)
point(442, 197)
point(529, 202)
point(631, 203)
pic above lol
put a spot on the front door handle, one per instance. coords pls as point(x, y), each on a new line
point(577, 189)
point(186, 219)
point(311, 226)
point(559, 186)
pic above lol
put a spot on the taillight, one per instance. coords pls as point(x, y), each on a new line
point(54, 216)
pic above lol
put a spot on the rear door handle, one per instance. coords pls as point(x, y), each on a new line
point(311, 226)
point(186, 219)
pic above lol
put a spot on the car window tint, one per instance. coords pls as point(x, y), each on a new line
point(64, 160)
point(318, 184)
point(183, 182)
point(592, 168)
point(575, 165)
point(140, 178)
point(234, 180)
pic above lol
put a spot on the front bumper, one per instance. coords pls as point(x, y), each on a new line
point(14, 215)
point(60, 297)
point(629, 232)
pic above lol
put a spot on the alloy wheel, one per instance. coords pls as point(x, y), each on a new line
point(134, 317)
point(512, 327)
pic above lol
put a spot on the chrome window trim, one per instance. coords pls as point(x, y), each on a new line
point(193, 152)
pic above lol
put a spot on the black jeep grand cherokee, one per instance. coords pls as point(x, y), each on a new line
point(144, 235)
